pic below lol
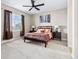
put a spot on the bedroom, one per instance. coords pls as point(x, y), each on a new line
point(51, 16)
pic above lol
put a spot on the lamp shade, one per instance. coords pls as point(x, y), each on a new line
point(56, 26)
point(33, 26)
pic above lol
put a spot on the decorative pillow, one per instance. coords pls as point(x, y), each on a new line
point(47, 30)
point(42, 31)
point(39, 30)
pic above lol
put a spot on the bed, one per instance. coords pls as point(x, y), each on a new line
point(43, 34)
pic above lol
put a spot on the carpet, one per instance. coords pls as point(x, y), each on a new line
point(19, 50)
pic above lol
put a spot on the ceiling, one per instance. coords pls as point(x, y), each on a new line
point(49, 5)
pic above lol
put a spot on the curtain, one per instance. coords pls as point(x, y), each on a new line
point(23, 27)
point(7, 30)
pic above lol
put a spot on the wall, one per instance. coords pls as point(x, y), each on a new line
point(75, 29)
point(58, 17)
point(69, 23)
point(18, 12)
point(32, 20)
point(2, 24)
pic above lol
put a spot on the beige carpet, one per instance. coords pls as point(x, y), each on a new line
point(19, 50)
point(52, 44)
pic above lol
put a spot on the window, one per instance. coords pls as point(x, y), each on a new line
point(16, 22)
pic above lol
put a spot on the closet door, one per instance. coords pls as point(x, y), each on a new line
point(7, 31)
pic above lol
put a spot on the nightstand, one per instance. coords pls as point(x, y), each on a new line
point(57, 35)
point(32, 31)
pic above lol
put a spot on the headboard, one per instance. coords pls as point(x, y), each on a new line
point(45, 27)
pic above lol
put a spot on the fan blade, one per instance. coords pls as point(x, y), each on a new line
point(26, 6)
point(30, 9)
point(32, 1)
point(37, 8)
point(40, 5)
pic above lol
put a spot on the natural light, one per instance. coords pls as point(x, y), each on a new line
point(16, 22)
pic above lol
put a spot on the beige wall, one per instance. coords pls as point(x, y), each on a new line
point(2, 24)
point(18, 12)
point(73, 27)
point(32, 20)
point(76, 29)
point(69, 23)
point(58, 17)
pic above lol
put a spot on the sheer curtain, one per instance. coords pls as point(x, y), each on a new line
point(16, 25)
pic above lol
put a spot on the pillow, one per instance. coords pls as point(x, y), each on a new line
point(47, 30)
point(42, 31)
point(39, 30)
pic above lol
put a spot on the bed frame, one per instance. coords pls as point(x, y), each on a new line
point(40, 27)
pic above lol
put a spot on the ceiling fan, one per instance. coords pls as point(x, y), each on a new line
point(34, 6)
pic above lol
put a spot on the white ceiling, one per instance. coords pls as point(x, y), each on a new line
point(49, 5)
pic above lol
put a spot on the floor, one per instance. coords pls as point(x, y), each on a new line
point(17, 49)
point(53, 44)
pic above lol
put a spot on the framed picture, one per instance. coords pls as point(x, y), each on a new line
point(45, 19)
point(42, 20)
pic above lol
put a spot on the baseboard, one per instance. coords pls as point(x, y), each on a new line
point(10, 40)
